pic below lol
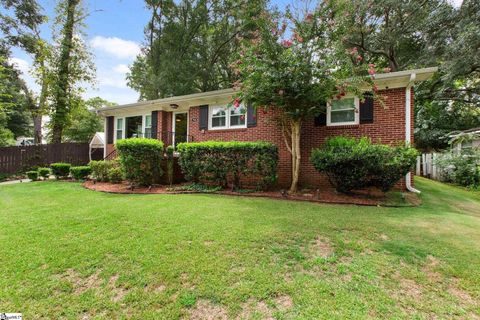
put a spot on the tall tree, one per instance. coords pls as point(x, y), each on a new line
point(84, 121)
point(189, 45)
point(62, 86)
point(389, 33)
point(296, 72)
point(20, 26)
point(70, 64)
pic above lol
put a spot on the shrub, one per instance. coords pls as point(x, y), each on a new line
point(80, 172)
point(60, 169)
point(115, 175)
point(100, 169)
point(226, 163)
point(352, 164)
point(44, 172)
point(141, 160)
point(32, 175)
point(460, 168)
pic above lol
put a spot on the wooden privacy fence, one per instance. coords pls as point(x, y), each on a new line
point(426, 166)
point(15, 159)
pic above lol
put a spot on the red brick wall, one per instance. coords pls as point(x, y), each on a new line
point(266, 130)
point(388, 127)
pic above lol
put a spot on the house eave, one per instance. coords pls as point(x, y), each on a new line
point(399, 79)
point(183, 102)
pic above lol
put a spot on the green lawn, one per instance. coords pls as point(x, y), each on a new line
point(67, 252)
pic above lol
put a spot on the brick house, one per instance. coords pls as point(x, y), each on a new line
point(205, 116)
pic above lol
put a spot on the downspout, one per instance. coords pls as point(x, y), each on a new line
point(408, 133)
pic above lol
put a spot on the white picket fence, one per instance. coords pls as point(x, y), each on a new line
point(426, 166)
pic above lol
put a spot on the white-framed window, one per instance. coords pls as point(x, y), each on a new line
point(147, 123)
point(119, 129)
point(343, 111)
point(223, 117)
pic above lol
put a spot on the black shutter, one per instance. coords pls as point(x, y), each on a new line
point(321, 119)
point(251, 116)
point(366, 108)
point(109, 130)
point(154, 124)
point(203, 121)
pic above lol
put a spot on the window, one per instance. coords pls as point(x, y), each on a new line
point(148, 126)
point(343, 111)
point(219, 117)
point(222, 117)
point(119, 129)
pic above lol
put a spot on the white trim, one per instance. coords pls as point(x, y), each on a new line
point(144, 123)
point(106, 138)
point(408, 119)
point(356, 111)
point(174, 125)
point(115, 128)
point(227, 125)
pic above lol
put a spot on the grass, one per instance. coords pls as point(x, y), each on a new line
point(71, 253)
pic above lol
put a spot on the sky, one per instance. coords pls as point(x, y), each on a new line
point(114, 33)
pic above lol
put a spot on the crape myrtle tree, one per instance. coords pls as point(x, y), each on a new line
point(292, 64)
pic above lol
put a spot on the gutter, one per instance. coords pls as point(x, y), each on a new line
point(408, 119)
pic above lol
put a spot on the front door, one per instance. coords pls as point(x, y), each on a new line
point(180, 127)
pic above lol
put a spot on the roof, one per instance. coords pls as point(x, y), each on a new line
point(399, 79)
point(98, 140)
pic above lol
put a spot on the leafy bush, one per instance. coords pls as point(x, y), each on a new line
point(115, 175)
point(101, 169)
point(460, 168)
point(32, 175)
point(141, 160)
point(226, 163)
point(44, 172)
point(80, 172)
point(60, 169)
point(352, 164)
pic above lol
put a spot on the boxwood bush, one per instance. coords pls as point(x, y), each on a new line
point(80, 172)
point(227, 163)
point(115, 175)
point(101, 169)
point(352, 164)
point(141, 160)
point(60, 170)
point(44, 172)
point(32, 175)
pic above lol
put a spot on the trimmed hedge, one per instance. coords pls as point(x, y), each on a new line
point(352, 164)
point(44, 172)
point(60, 169)
point(141, 160)
point(80, 172)
point(115, 175)
point(226, 163)
point(32, 175)
point(101, 169)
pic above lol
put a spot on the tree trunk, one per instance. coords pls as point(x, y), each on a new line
point(62, 85)
point(296, 126)
point(37, 128)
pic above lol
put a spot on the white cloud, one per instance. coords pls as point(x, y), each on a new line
point(456, 3)
point(116, 47)
point(121, 68)
point(21, 64)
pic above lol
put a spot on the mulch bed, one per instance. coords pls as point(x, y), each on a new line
point(369, 197)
